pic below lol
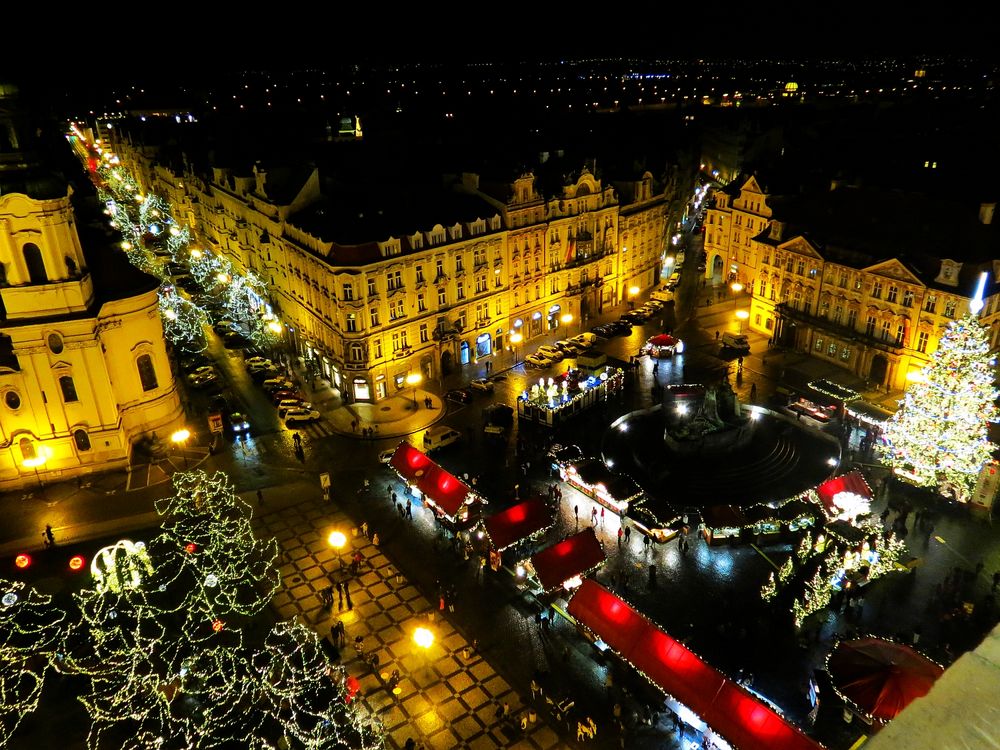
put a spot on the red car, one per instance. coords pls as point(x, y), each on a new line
point(278, 396)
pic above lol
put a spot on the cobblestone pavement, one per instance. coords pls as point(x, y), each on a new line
point(447, 697)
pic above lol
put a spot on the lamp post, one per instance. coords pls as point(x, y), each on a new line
point(566, 319)
point(338, 540)
point(180, 439)
point(276, 328)
point(515, 339)
point(737, 287)
point(414, 379)
point(424, 638)
point(39, 460)
point(632, 292)
point(742, 315)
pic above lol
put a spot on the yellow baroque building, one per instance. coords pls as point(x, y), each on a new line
point(373, 289)
point(84, 372)
point(866, 279)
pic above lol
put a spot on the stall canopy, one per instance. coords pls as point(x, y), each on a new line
point(852, 483)
point(517, 523)
point(409, 462)
point(723, 516)
point(574, 556)
point(444, 489)
point(730, 710)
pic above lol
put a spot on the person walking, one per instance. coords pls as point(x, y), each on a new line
point(621, 533)
point(375, 539)
point(576, 514)
point(364, 529)
point(753, 391)
point(409, 508)
point(260, 498)
point(628, 534)
point(602, 516)
point(50, 538)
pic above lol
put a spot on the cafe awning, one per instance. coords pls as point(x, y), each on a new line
point(729, 709)
point(576, 555)
point(518, 522)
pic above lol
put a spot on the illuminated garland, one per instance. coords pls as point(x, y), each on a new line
point(938, 438)
point(834, 390)
point(183, 321)
point(30, 633)
point(770, 589)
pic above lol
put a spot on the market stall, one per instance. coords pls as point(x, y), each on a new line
point(522, 521)
point(565, 564)
point(661, 523)
point(722, 524)
point(732, 714)
point(451, 500)
point(846, 497)
point(550, 401)
point(662, 345)
point(594, 479)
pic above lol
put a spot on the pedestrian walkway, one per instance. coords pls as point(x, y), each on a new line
point(447, 697)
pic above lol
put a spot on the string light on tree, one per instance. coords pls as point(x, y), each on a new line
point(938, 438)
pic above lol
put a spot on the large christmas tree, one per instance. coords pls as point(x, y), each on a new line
point(938, 437)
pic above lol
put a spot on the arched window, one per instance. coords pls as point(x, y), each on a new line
point(68, 389)
point(36, 266)
point(27, 449)
point(82, 440)
point(147, 375)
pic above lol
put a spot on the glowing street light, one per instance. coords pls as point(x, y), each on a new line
point(222, 278)
point(632, 292)
point(38, 460)
point(742, 315)
point(275, 327)
point(338, 540)
point(737, 287)
point(414, 379)
point(180, 439)
point(515, 339)
point(423, 637)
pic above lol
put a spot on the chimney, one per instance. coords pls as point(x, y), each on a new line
point(986, 212)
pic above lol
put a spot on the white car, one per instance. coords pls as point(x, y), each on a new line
point(569, 348)
point(279, 382)
point(537, 360)
point(257, 362)
point(481, 384)
point(550, 352)
point(585, 340)
point(301, 416)
point(200, 373)
point(287, 404)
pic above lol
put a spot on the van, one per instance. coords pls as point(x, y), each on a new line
point(736, 342)
point(673, 281)
point(439, 437)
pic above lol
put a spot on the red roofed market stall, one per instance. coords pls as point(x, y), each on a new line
point(732, 713)
point(447, 495)
point(573, 557)
point(518, 522)
point(846, 496)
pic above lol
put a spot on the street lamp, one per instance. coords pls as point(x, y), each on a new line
point(632, 292)
point(33, 463)
point(414, 379)
point(423, 637)
point(180, 439)
point(338, 540)
point(515, 339)
point(737, 287)
point(742, 315)
point(566, 319)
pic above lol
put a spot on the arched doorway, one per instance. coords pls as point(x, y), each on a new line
point(36, 266)
point(446, 363)
point(878, 369)
point(717, 268)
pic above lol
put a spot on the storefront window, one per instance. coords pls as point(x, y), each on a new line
point(361, 390)
point(483, 345)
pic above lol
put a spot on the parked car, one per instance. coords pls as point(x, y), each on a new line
point(550, 352)
point(257, 362)
point(635, 317)
point(481, 384)
point(288, 404)
point(605, 330)
point(621, 328)
point(234, 340)
point(537, 360)
point(285, 393)
point(204, 379)
point(654, 304)
point(585, 339)
point(673, 281)
point(200, 372)
point(239, 422)
point(735, 342)
point(277, 384)
point(569, 347)
point(301, 416)
point(192, 362)
point(459, 395)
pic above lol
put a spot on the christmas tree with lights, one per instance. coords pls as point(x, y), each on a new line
point(938, 437)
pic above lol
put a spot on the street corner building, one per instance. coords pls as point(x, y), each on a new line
point(84, 374)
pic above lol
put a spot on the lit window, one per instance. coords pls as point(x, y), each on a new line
point(147, 374)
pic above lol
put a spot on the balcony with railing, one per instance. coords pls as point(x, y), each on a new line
point(786, 311)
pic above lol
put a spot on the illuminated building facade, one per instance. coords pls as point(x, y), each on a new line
point(865, 279)
point(372, 297)
point(84, 372)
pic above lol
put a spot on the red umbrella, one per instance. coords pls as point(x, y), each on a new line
point(880, 677)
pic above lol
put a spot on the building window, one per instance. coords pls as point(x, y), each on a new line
point(788, 264)
point(838, 314)
point(930, 303)
point(460, 290)
point(763, 288)
point(357, 352)
point(147, 375)
point(423, 333)
point(499, 308)
point(395, 280)
point(922, 338)
point(819, 345)
point(908, 298)
point(756, 320)
point(877, 289)
point(420, 274)
point(420, 303)
point(843, 280)
point(832, 350)
point(480, 284)
point(373, 314)
point(845, 353)
point(870, 326)
point(801, 268)
point(68, 389)
point(398, 310)
point(459, 265)
point(372, 290)
point(899, 334)
point(440, 270)
point(12, 399)
point(348, 292)
point(352, 323)
point(886, 325)
point(852, 319)
point(55, 343)
point(769, 323)
point(891, 294)
point(378, 348)
point(949, 309)
point(36, 266)
point(82, 440)
point(442, 297)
